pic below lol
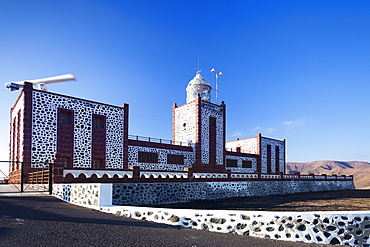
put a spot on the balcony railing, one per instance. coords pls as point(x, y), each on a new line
point(157, 140)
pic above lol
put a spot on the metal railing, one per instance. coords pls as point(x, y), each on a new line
point(158, 140)
point(39, 177)
point(47, 169)
point(4, 179)
point(236, 150)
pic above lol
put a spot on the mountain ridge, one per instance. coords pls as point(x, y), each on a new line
point(359, 169)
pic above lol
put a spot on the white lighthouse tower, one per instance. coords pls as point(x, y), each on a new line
point(201, 123)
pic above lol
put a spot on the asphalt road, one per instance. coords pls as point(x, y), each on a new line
point(34, 219)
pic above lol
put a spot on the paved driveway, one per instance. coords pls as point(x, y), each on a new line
point(34, 219)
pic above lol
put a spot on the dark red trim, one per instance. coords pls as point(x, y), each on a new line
point(27, 122)
point(174, 122)
point(137, 179)
point(65, 135)
point(99, 133)
point(223, 105)
point(268, 159)
point(212, 140)
point(259, 146)
point(284, 167)
point(198, 131)
point(125, 135)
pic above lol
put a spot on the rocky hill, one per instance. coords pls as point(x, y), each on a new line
point(359, 169)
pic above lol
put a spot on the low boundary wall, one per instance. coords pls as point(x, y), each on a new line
point(330, 227)
point(91, 194)
point(164, 193)
point(342, 228)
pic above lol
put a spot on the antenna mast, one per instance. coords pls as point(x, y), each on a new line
point(217, 75)
point(12, 86)
point(198, 70)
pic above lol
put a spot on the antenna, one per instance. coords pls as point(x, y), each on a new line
point(198, 70)
point(13, 86)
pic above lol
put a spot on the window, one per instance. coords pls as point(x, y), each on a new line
point(65, 136)
point(146, 157)
point(268, 159)
point(175, 159)
point(238, 149)
point(65, 117)
point(67, 162)
point(98, 121)
point(212, 140)
point(277, 152)
point(212, 122)
point(247, 164)
point(98, 163)
point(231, 163)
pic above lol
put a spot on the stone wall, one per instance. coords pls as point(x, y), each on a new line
point(343, 228)
point(249, 145)
point(161, 193)
point(91, 195)
point(162, 164)
point(96, 194)
point(240, 157)
point(44, 126)
point(270, 164)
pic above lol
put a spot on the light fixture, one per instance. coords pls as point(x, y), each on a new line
point(217, 75)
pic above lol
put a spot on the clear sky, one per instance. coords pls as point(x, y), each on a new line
point(295, 70)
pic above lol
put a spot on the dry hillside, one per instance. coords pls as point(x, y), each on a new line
point(359, 169)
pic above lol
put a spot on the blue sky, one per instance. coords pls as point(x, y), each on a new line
point(297, 70)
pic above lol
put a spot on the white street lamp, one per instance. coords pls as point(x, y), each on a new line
point(217, 75)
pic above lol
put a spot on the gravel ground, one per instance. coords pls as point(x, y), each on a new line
point(345, 200)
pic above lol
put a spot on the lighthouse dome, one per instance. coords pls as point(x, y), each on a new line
point(198, 85)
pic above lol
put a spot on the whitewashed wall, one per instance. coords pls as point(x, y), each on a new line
point(343, 228)
point(249, 146)
point(133, 153)
point(161, 193)
point(44, 129)
point(281, 155)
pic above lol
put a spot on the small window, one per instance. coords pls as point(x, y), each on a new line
point(212, 122)
point(238, 149)
point(146, 157)
point(277, 157)
point(175, 159)
point(98, 121)
point(67, 162)
point(65, 117)
point(247, 164)
point(231, 163)
point(269, 159)
point(98, 163)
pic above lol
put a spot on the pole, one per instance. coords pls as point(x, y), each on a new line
point(217, 75)
point(50, 178)
point(216, 89)
point(22, 175)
